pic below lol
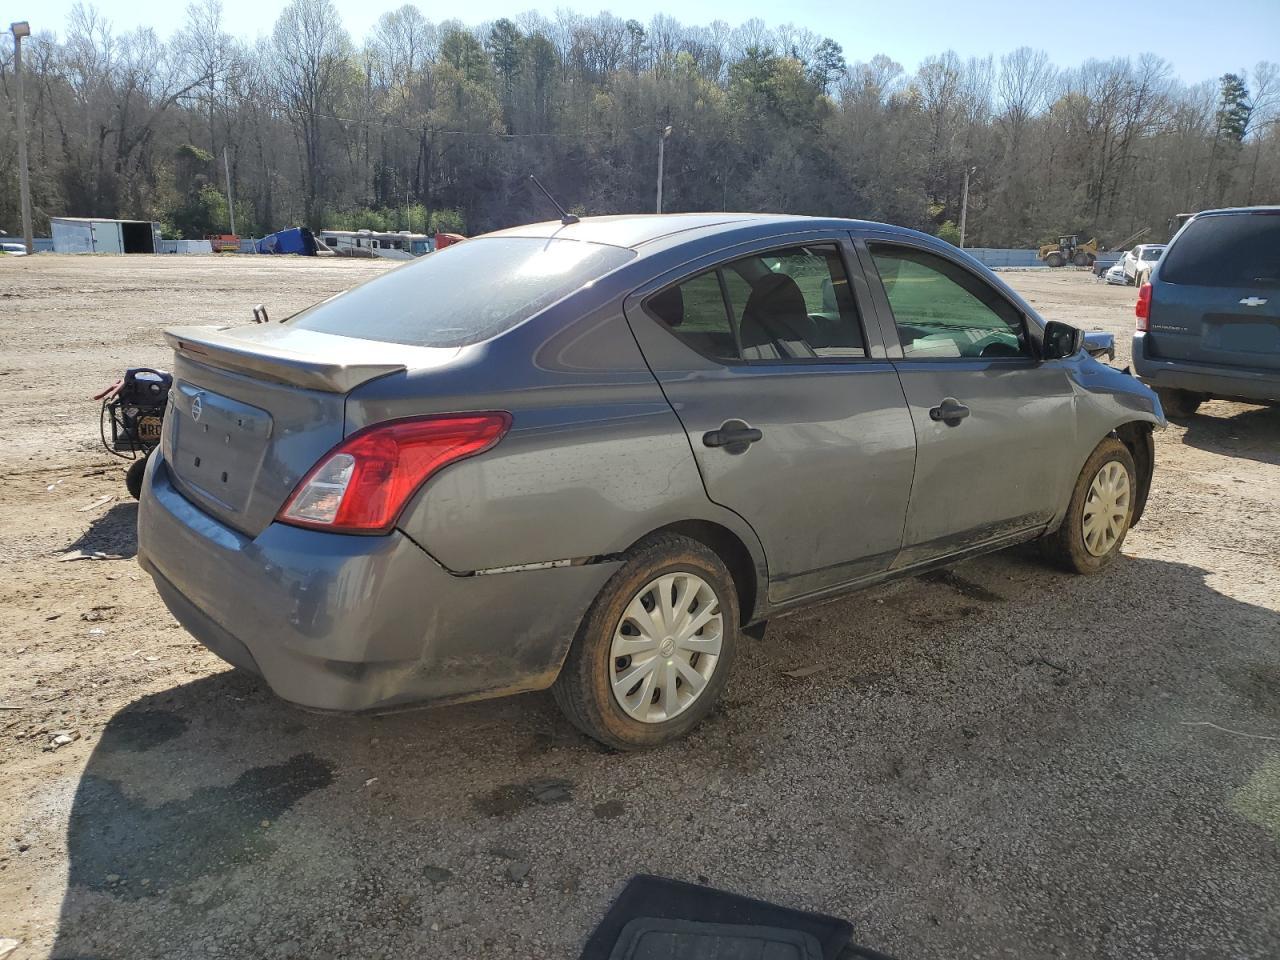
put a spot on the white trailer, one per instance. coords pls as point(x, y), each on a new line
point(99, 235)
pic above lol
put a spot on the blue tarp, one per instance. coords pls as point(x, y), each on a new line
point(294, 240)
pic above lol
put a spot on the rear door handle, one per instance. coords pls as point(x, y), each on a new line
point(950, 411)
point(734, 435)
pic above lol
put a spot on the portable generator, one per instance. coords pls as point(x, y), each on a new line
point(134, 407)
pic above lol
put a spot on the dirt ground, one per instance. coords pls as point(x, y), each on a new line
point(1003, 761)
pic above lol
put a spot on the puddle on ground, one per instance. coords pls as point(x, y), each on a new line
point(119, 845)
point(142, 730)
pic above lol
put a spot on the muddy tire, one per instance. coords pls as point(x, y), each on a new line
point(655, 650)
point(1179, 404)
point(1100, 512)
point(133, 477)
point(1055, 259)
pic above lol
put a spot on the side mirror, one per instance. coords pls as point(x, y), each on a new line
point(1099, 344)
point(1061, 340)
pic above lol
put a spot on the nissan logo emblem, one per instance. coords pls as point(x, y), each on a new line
point(196, 408)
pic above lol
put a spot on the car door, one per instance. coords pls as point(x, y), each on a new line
point(995, 427)
point(794, 415)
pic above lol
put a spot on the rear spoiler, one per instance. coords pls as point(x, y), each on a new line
point(281, 354)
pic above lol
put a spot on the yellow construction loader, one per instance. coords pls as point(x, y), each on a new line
point(1069, 250)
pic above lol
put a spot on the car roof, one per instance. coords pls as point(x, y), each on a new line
point(636, 231)
point(1273, 209)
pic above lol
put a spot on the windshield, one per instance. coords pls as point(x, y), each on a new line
point(1226, 250)
point(463, 294)
point(1152, 253)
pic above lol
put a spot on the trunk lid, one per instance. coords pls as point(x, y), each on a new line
point(1215, 298)
point(253, 409)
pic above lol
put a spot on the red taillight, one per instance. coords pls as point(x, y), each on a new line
point(1142, 309)
point(364, 482)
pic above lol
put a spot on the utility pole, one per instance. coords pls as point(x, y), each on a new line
point(964, 202)
point(231, 204)
point(662, 144)
point(19, 30)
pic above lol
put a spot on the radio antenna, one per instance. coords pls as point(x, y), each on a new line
point(565, 216)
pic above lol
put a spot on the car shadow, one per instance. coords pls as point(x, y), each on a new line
point(211, 819)
point(1253, 433)
point(114, 532)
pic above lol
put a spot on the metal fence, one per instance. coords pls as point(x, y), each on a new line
point(996, 257)
point(999, 257)
point(184, 246)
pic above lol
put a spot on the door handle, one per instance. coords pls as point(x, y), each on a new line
point(950, 411)
point(734, 435)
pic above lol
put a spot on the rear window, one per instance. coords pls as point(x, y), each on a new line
point(466, 293)
point(1226, 250)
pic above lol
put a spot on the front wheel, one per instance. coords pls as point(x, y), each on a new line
point(1100, 511)
point(655, 649)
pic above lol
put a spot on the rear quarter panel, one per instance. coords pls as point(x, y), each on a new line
point(595, 458)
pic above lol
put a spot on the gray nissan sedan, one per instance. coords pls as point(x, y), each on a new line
point(588, 455)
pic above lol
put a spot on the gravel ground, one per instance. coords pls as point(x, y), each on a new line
point(998, 761)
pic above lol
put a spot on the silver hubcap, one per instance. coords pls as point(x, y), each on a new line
point(1106, 508)
point(665, 647)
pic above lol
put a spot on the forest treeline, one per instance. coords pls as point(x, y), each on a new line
point(440, 124)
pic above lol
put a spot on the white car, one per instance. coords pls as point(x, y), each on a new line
point(1115, 273)
point(1141, 260)
point(13, 249)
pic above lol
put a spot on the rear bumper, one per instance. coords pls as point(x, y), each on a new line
point(1228, 383)
point(354, 623)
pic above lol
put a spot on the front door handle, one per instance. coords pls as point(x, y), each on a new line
point(734, 435)
point(950, 411)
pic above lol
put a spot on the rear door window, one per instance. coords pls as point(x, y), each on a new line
point(1226, 250)
point(786, 305)
point(465, 293)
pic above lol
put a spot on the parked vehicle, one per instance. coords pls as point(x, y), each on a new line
point(1115, 274)
point(1209, 317)
point(370, 243)
point(586, 455)
point(223, 242)
point(1069, 249)
point(13, 249)
point(1140, 261)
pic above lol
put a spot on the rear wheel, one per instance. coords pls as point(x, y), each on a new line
point(1055, 259)
point(1100, 511)
point(1081, 259)
point(655, 649)
point(1179, 404)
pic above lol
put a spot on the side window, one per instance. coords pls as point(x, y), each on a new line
point(943, 311)
point(694, 311)
point(790, 304)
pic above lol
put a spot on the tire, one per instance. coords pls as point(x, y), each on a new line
point(1055, 259)
point(133, 478)
point(1179, 404)
point(1077, 547)
point(584, 690)
point(1080, 259)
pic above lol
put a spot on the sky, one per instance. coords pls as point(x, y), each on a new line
point(1201, 40)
